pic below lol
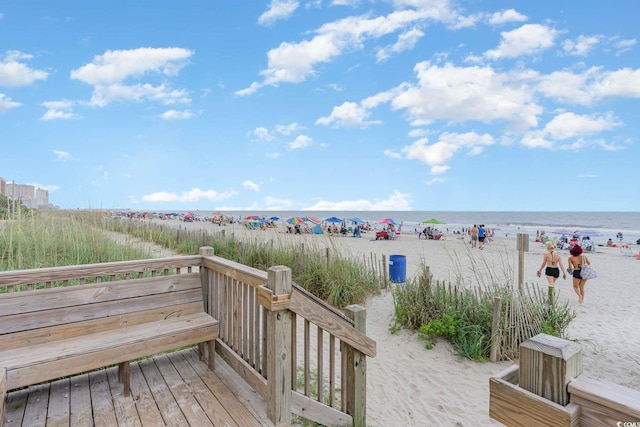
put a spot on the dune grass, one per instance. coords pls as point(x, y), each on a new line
point(462, 311)
point(38, 241)
point(340, 280)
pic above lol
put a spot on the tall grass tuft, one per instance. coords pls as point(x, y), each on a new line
point(462, 311)
point(47, 241)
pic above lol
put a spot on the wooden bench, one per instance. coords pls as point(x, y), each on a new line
point(52, 333)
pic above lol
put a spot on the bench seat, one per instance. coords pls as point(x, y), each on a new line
point(44, 362)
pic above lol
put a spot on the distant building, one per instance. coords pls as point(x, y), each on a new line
point(25, 194)
point(42, 198)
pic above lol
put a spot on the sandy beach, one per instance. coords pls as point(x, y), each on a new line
point(409, 385)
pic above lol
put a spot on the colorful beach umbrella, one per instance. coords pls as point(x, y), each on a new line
point(332, 219)
point(356, 220)
point(388, 221)
point(312, 219)
point(295, 220)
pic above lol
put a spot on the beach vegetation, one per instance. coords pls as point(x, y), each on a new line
point(461, 311)
point(339, 279)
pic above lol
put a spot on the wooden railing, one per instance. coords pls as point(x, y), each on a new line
point(278, 336)
point(274, 334)
point(549, 389)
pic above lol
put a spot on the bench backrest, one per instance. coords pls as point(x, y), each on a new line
point(47, 315)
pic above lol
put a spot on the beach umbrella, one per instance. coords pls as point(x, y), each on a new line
point(356, 220)
point(312, 219)
point(275, 218)
point(332, 219)
point(433, 221)
point(387, 221)
point(251, 217)
point(295, 220)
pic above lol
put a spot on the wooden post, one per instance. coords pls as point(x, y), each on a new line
point(495, 329)
point(547, 365)
point(385, 271)
point(523, 245)
point(356, 393)
point(326, 251)
point(279, 351)
point(204, 277)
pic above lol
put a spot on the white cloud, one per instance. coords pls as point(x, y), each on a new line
point(250, 185)
point(263, 134)
point(459, 94)
point(104, 95)
point(396, 202)
point(569, 125)
point(301, 141)
point(439, 153)
point(406, 41)
point(59, 110)
point(289, 129)
point(392, 154)
point(294, 62)
point(115, 66)
point(278, 9)
point(6, 103)
point(349, 114)
point(61, 156)
point(624, 45)
point(193, 195)
point(14, 73)
point(272, 155)
point(176, 115)
point(109, 72)
point(581, 46)
point(506, 16)
point(530, 39)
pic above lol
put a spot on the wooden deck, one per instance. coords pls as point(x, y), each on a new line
point(174, 389)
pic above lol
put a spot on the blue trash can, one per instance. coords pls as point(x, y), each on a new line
point(397, 268)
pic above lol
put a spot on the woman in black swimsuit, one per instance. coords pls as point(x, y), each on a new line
point(574, 264)
point(553, 262)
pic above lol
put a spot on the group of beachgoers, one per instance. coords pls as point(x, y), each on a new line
point(552, 264)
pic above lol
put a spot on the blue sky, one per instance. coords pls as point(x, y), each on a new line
point(323, 104)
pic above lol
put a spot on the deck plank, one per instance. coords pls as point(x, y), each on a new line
point(58, 415)
point(104, 414)
point(163, 389)
point(35, 414)
point(16, 405)
point(80, 394)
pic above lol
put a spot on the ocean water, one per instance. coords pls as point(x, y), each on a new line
point(602, 225)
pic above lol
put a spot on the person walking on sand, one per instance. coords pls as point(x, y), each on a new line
point(474, 236)
point(553, 263)
point(574, 264)
point(481, 236)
